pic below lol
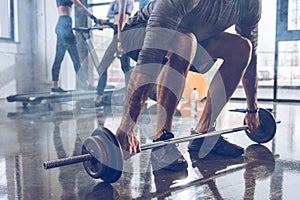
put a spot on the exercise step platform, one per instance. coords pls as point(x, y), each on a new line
point(52, 97)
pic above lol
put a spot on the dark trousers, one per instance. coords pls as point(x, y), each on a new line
point(106, 61)
point(65, 42)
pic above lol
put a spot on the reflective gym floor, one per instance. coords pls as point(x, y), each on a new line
point(28, 137)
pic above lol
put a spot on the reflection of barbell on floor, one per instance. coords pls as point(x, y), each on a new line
point(258, 163)
point(102, 155)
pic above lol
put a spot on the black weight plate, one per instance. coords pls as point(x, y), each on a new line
point(267, 129)
point(94, 167)
point(111, 157)
point(115, 159)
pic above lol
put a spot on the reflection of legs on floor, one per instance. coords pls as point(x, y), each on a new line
point(67, 175)
point(164, 179)
point(167, 157)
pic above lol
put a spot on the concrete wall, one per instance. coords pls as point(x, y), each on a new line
point(17, 56)
point(26, 63)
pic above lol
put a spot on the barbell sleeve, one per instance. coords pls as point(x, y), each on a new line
point(67, 161)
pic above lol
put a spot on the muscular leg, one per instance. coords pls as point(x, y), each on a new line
point(139, 86)
point(236, 53)
point(170, 86)
point(172, 80)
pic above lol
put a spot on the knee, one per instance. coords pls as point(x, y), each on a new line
point(186, 45)
point(182, 53)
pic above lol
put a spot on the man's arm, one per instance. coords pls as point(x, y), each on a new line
point(249, 29)
point(250, 77)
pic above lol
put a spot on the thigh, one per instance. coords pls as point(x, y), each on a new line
point(227, 46)
point(182, 50)
point(60, 49)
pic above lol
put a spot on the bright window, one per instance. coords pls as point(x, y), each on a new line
point(7, 19)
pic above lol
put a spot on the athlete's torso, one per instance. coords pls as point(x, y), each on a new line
point(208, 17)
point(68, 3)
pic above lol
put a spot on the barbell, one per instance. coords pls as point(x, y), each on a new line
point(102, 155)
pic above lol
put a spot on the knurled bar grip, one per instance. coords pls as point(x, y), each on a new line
point(67, 161)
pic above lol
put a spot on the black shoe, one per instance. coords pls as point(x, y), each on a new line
point(93, 105)
point(167, 157)
point(216, 144)
point(195, 145)
point(59, 90)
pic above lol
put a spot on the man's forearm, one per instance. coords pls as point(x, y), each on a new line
point(250, 87)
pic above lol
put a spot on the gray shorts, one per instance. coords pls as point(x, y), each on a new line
point(133, 36)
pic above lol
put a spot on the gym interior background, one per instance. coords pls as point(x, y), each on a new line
point(27, 39)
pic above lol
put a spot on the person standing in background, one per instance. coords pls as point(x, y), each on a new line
point(119, 12)
point(66, 41)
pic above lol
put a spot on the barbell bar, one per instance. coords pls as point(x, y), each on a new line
point(102, 155)
point(85, 157)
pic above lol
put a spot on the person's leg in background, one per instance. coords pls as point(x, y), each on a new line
point(59, 56)
point(105, 62)
point(65, 41)
point(81, 76)
point(125, 66)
